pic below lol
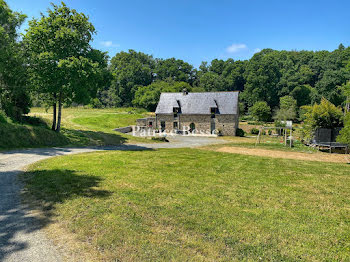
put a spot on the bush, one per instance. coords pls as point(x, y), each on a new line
point(344, 136)
point(161, 139)
point(3, 118)
point(323, 115)
point(34, 121)
point(254, 131)
point(261, 111)
point(240, 132)
point(95, 103)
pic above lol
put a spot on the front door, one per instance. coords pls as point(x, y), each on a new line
point(162, 126)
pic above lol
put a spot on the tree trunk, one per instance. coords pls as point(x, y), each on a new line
point(54, 113)
point(58, 129)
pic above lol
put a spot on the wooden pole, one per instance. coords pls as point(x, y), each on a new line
point(258, 138)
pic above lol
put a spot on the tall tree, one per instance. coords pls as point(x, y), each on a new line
point(14, 98)
point(148, 96)
point(130, 70)
point(63, 65)
point(174, 69)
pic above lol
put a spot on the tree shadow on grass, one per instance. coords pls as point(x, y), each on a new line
point(94, 138)
point(19, 226)
point(58, 185)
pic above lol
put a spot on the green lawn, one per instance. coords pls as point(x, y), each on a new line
point(188, 204)
point(85, 127)
point(13, 135)
point(267, 142)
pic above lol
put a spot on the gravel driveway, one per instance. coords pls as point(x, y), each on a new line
point(21, 234)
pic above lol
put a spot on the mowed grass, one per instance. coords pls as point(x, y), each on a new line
point(267, 142)
point(84, 127)
point(197, 205)
point(13, 135)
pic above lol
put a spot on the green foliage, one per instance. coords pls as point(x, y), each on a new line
point(323, 115)
point(96, 103)
point(3, 117)
point(254, 131)
point(174, 69)
point(267, 76)
point(65, 68)
point(240, 132)
point(148, 96)
point(261, 111)
point(212, 82)
point(303, 94)
point(19, 136)
point(344, 136)
point(14, 98)
point(34, 121)
point(130, 69)
point(345, 90)
point(287, 102)
point(287, 110)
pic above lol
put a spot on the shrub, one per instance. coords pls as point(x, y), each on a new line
point(270, 132)
point(254, 131)
point(344, 136)
point(261, 111)
point(161, 139)
point(323, 115)
point(240, 132)
point(3, 118)
point(34, 121)
point(95, 103)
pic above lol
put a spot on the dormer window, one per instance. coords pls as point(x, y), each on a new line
point(176, 110)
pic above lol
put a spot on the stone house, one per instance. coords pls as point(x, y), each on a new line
point(200, 113)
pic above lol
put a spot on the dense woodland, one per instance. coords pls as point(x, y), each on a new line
point(54, 65)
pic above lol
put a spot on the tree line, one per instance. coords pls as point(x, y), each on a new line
point(54, 65)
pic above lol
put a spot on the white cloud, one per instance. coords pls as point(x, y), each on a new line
point(108, 44)
point(235, 48)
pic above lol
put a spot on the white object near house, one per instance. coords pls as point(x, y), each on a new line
point(288, 123)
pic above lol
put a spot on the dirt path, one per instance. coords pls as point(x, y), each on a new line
point(321, 157)
point(21, 233)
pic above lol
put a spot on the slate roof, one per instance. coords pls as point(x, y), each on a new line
point(199, 103)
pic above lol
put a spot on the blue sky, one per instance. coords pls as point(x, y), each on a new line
point(198, 31)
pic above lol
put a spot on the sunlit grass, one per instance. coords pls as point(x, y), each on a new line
point(83, 126)
point(187, 204)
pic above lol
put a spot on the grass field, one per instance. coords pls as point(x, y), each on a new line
point(84, 127)
point(14, 135)
point(197, 205)
point(268, 142)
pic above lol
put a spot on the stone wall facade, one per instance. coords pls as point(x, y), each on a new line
point(225, 124)
point(146, 122)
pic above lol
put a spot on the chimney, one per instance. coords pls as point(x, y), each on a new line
point(184, 91)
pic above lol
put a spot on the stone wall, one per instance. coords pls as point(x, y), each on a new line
point(144, 122)
point(124, 130)
point(227, 124)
